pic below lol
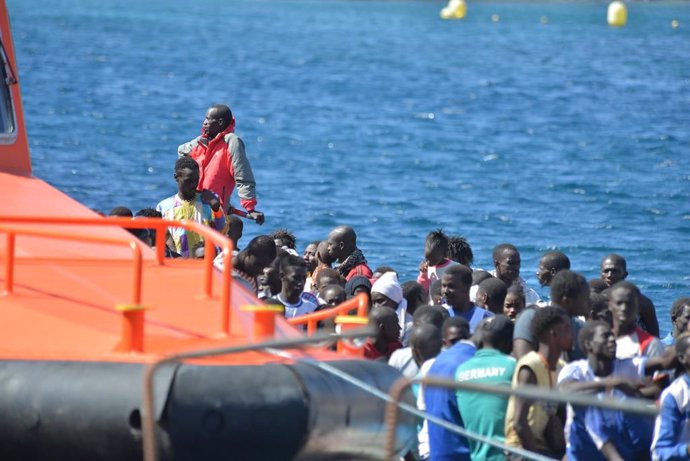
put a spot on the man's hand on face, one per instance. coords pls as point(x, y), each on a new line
point(210, 198)
point(256, 216)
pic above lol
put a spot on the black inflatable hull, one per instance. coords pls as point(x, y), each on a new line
point(91, 411)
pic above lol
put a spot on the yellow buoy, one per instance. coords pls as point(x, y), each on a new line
point(617, 14)
point(675, 24)
point(456, 9)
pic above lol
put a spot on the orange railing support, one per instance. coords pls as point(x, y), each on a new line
point(264, 320)
point(349, 322)
point(360, 303)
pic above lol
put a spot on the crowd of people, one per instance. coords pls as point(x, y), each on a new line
point(599, 337)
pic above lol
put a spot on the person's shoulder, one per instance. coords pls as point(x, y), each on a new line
point(399, 357)
point(574, 369)
point(166, 203)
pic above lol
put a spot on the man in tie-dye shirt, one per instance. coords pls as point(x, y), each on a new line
point(202, 207)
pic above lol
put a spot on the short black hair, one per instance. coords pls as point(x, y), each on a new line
point(625, 285)
point(186, 162)
point(599, 302)
point(326, 272)
point(494, 288)
point(498, 249)
point(262, 244)
point(677, 307)
point(122, 211)
point(149, 213)
point(437, 240)
point(516, 288)
point(459, 250)
point(545, 318)
point(285, 235)
point(587, 332)
point(556, 260)
point(464, 272)
point(429, 314)
point(414, 294)
point(617, 259)
point(597, 285)
point(289, 260)
point(479, 276)
point(566, 283)
point(460, 323)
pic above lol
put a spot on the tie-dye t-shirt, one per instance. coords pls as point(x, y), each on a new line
point(176, 209)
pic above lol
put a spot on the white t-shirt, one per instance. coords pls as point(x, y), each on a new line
point(629, 346)
point(403, 361)
point(423, 435)
point(302, 307)
point(580, 371)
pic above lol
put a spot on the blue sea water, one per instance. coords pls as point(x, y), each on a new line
point(547, 129)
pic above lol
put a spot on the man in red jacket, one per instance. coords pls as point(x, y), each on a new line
point(222, 161)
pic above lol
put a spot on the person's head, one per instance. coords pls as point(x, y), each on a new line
point(147, 236)
point(187, 177)
point(379, 271)
point(283, 238)
point(425, 342)
point(479, 276)
point(600, 308)
point(551, 326)
point(342, 241)
point(309, 255)
point(217, 119)
point(436, 247)
point(386, 291)
point(624, 299)
point(597, 285)
point(293, 275)
point(121, 211)
point(260, 253)
point(613, 269)
point(549, 264)
point(325, 277)
point(680, 315)
point(597, 340)
point(570, 290)
point(455, 329)
point(415, 296)
point(460, 251)
point(683, 351)
point(491, 295)
point(497, 333)
point(333, 295)
point(322, 255)
point(356, 285)
point(269, 281)
point(235, 229)
point(455, 285)
point(507, 262)
point(430, 314)
point(515, 301)
point(385, 320)
point(435, 294)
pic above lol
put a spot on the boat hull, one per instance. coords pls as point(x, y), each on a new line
point(58, 410)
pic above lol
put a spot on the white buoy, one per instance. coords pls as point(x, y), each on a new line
point(617, 15)
point(456, 9)
point(675, 24)
point(495, 18)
